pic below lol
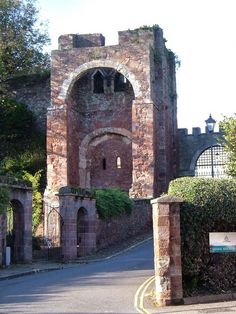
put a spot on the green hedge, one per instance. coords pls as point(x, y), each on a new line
point(112, 202)
point(209, 206)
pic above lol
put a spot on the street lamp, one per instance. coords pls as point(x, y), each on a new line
point(210, 125)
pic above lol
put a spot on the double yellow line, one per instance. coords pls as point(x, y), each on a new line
point(140, 294)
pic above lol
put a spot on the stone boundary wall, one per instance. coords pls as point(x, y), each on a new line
point(117, 229)
point(34, 91)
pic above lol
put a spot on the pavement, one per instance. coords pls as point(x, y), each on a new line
point(145, 296)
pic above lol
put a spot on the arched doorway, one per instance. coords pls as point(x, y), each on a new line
point(15, 231)
point(212, 162)
point(82, 230)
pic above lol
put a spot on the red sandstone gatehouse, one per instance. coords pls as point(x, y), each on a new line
point(112, 120)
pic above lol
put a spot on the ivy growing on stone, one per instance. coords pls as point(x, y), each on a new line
point(112, 202)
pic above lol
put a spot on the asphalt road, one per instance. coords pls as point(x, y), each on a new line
point(96, 288)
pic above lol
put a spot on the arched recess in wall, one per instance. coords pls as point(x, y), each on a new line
point(15, 230)
point(209, 161)
point(95, 163)
point(82, 231)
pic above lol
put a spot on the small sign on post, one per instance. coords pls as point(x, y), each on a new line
point(222, 242)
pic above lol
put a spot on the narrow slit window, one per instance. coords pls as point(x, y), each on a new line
point(104, 164)
point(118, 162)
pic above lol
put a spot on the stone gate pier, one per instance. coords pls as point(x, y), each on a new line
point(167, 250)
point(72, 225)
point(21, 225)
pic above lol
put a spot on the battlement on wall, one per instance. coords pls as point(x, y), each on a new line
point(195, 132)
point(70, 41)
point(137, 36)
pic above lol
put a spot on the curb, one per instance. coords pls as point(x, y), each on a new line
point(30, 272)
point(113, 255)
point(82, 261)
point(209, 298)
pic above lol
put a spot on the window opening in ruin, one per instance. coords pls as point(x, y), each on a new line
point(212, 163)
point(98, 83)
point(120, 83)
point(118, 162)
point(104, 164)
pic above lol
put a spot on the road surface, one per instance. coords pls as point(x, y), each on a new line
point(102, 287)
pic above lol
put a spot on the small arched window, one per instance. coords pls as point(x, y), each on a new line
point(118, 162)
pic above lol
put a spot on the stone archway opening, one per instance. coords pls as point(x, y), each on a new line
point(100, 99)
point(15, 231)
point(211, 162)
point(82, 231)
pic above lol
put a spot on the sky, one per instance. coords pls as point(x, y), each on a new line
point(202, 33)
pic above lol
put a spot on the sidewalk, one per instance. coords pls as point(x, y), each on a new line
point(211, 304)
point(19, 270)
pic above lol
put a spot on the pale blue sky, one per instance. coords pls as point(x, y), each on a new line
point(201, 32)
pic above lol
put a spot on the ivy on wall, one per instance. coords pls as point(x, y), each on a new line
point(4, 199)
point(209, 206)
point(112, 202)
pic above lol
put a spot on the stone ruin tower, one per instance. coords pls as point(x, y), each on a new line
point(112, 120)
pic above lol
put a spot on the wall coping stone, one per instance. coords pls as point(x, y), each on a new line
point(167, 199)
point(19, 187)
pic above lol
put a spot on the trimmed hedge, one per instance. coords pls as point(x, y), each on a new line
point(112, 202)
point(209, 206)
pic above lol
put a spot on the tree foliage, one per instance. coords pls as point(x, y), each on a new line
point(22, 150)
point(22, 39)
point(19, 135)
point(229, 128)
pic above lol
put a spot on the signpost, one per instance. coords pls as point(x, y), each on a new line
point(222, 242)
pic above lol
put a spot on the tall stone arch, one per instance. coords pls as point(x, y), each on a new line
point(76, 74)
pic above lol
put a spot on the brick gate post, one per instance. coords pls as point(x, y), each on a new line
point(167, 250)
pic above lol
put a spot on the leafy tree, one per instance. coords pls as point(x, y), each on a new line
point(229, 128)
point(22, 151)
point(22, 39)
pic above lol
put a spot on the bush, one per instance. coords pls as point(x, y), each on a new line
point(112, 202)
point(209, 206)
